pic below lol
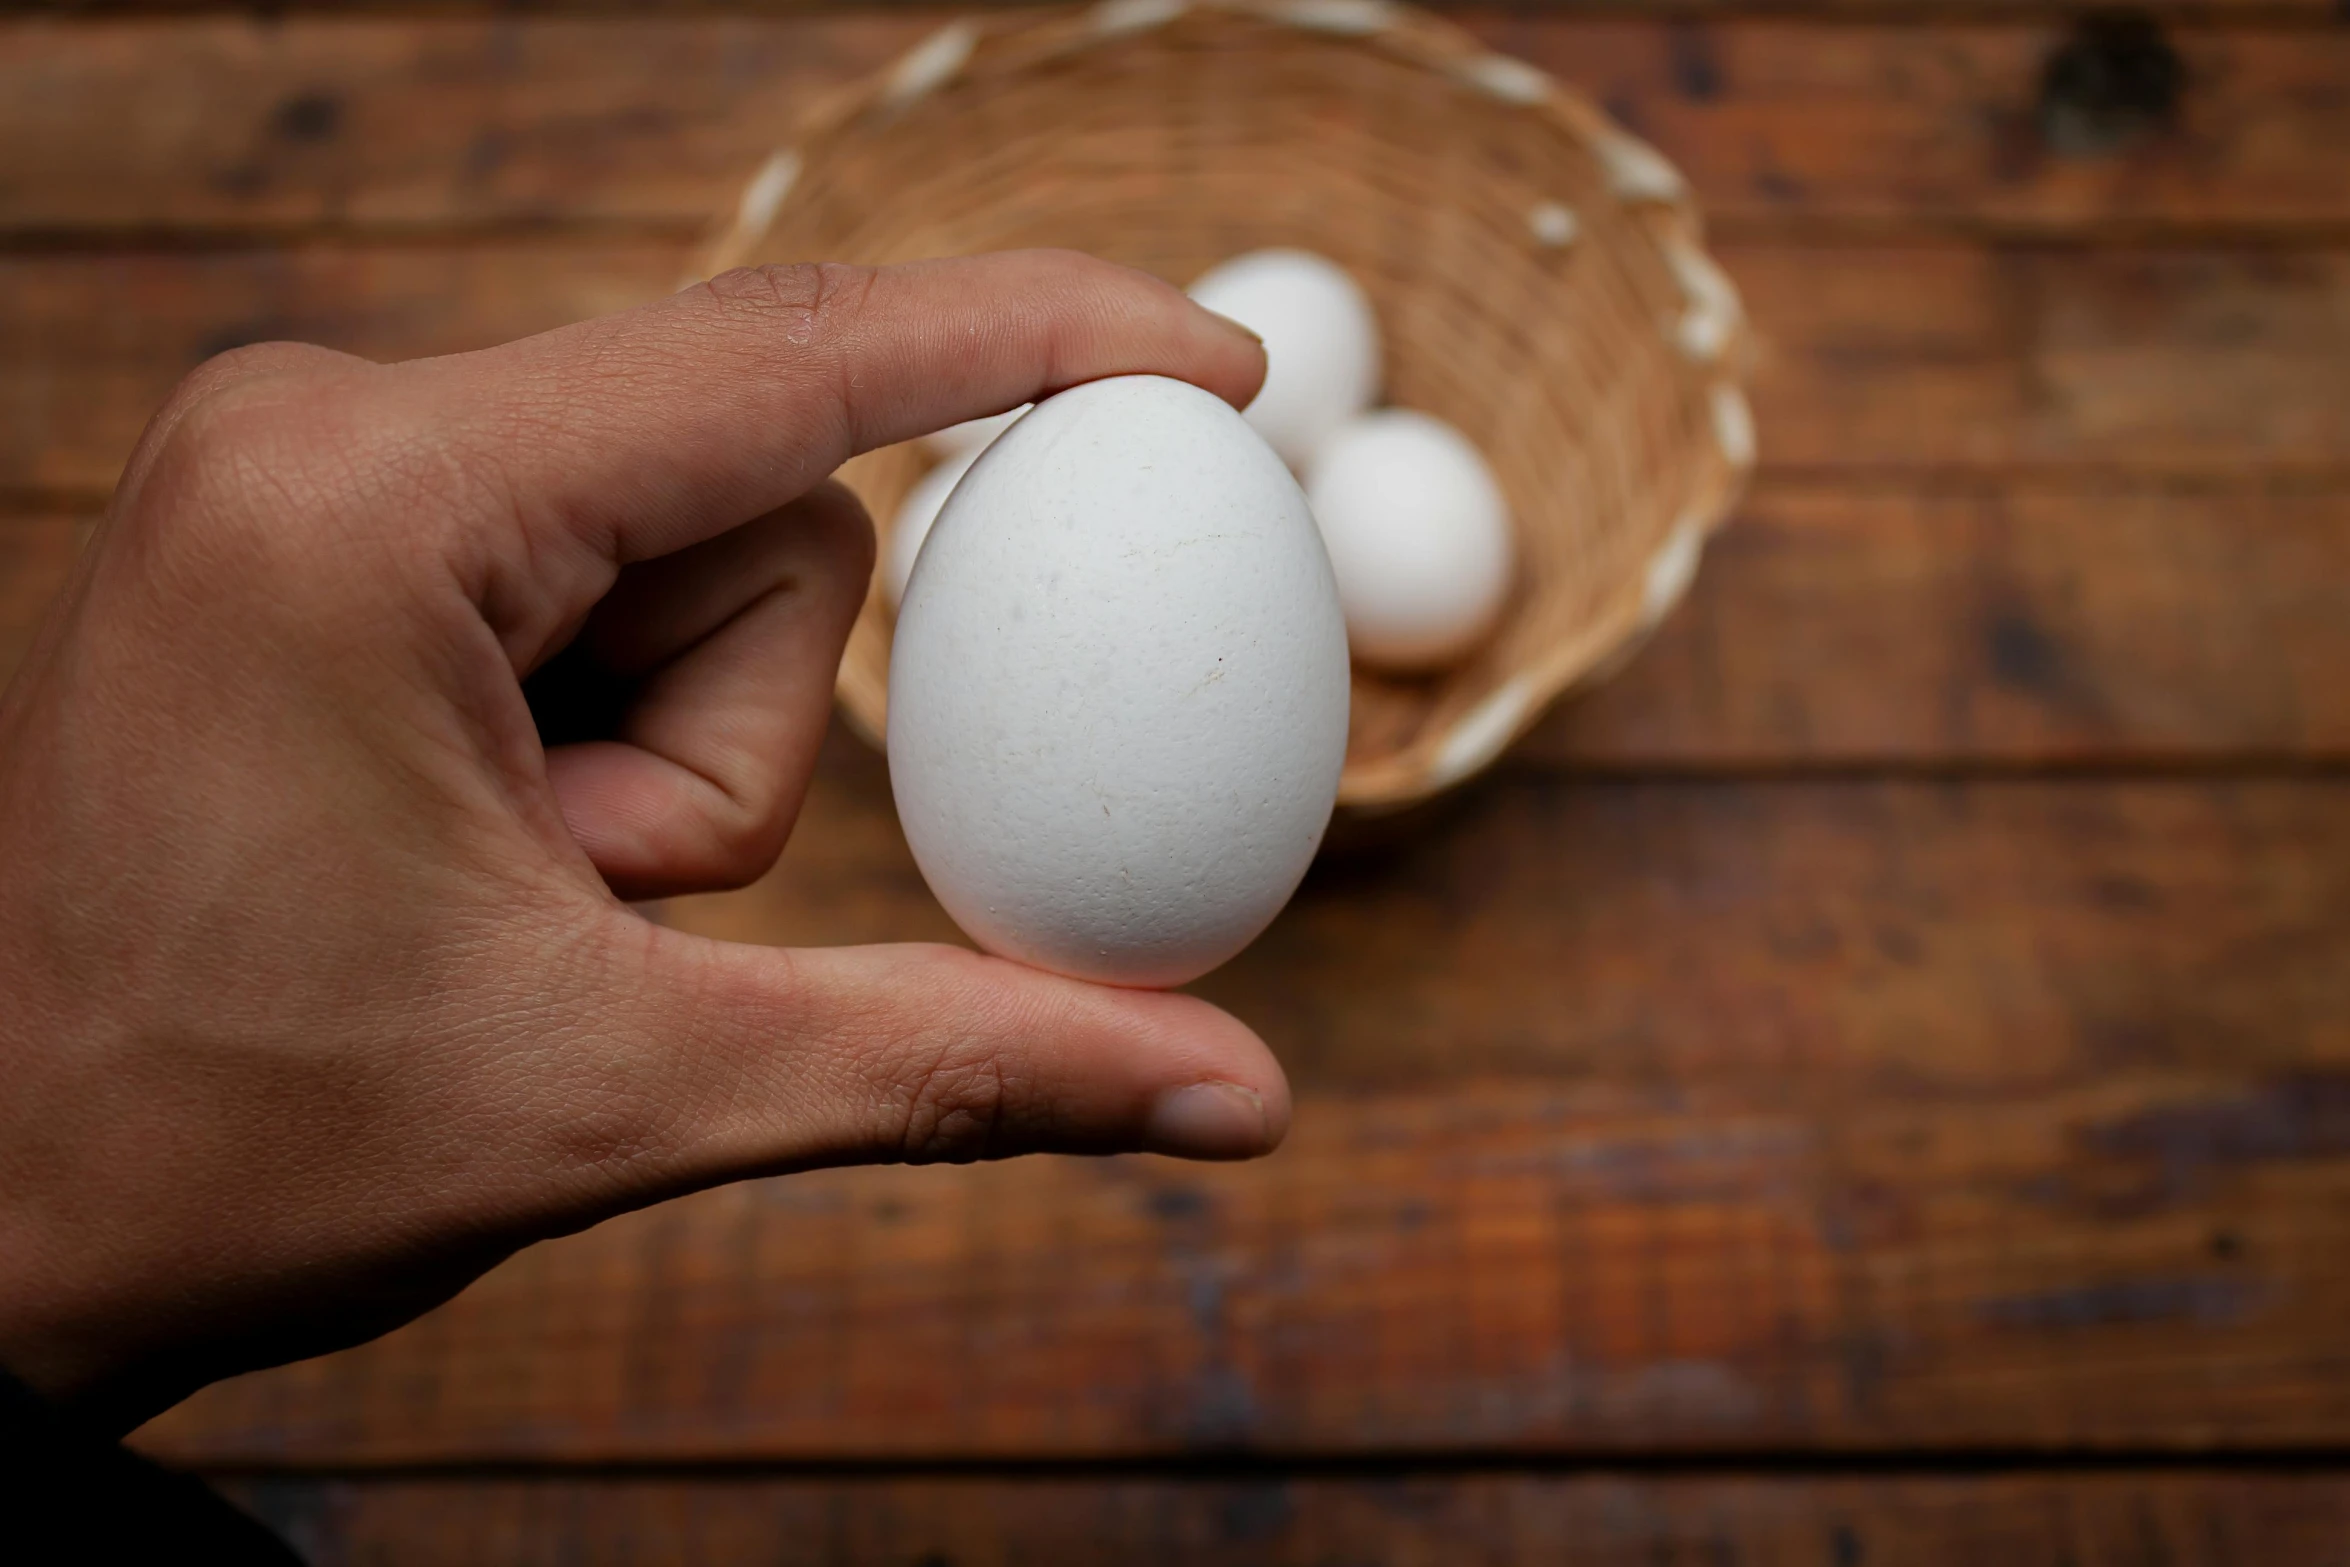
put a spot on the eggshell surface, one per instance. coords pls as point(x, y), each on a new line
point(1118, 688)
point(1419, 537)
point(1321, 343)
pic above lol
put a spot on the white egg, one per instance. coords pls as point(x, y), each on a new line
point(1118, 688)
point(915, 515)
point(1418, 534)
point(1321, 343)
point(971, 436)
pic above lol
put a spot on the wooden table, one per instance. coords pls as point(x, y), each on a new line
point(1872, 1085)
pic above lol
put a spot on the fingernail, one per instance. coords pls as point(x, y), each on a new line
point(1207, 1121)
point(1244, 332)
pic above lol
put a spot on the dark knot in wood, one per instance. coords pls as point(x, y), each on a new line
point(2114, 81)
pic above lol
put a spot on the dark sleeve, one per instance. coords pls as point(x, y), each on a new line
point(68, 1494)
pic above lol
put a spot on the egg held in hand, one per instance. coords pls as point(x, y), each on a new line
point(1321, 343)
point(1118, 688)
point(1419, 537)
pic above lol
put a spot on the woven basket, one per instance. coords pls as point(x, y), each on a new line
point(1537, 272)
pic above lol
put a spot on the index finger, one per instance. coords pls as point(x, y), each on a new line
point(646, 431)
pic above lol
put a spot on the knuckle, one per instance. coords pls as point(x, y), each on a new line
point(245, 484)
point(951, 1108)
point(217, 423)
point(249, 361)
point(217, 463)
point(744, 840)
point(237, 379)
point(218, 374)
point(807, 296)
point(227, 416)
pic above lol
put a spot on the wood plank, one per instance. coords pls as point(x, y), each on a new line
point(96, 341)
point(238, 123)
point(2006, 624)
point(235, 120)
point(1783, 126)
point(1634, 1117)
point(2290, 13)
point(2203, 361)
point(2209, 362)
point(2132, 1519)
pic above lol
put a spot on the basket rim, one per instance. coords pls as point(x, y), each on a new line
point(1713, 332)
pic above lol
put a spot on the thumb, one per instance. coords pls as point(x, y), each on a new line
point(780, 1060)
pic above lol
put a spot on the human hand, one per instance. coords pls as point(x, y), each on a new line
point(317, 995)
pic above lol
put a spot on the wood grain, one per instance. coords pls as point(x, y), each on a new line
point(1877, 360)
point(98, 340)
point(2008, 624)
point(2200, 361)
point(2131, 1519)
point(234, 123)
point(237, 121)
point(1634, 1117)
point(2287, 13)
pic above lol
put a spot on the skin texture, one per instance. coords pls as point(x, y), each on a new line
point(378, 691)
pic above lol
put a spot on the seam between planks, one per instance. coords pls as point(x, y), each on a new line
point(2273, 15)
point(1822, 230)
point(1647, 1463)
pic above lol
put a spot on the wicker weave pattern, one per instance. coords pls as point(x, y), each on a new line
point(1538, 276)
